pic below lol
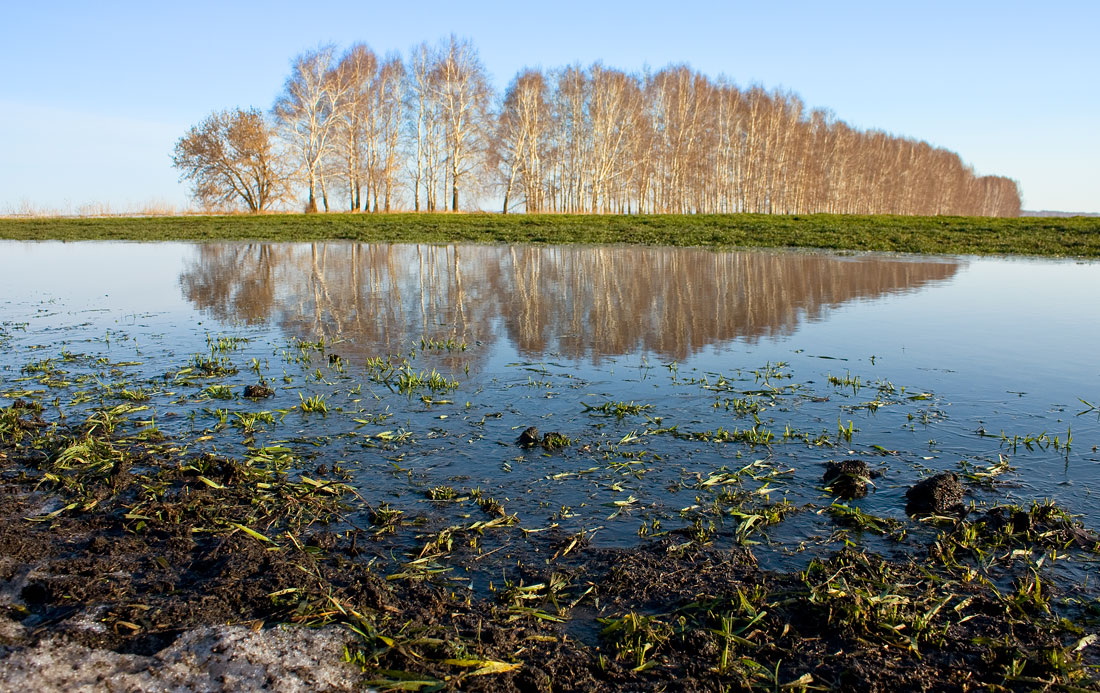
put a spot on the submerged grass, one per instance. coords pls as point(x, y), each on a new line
point(1073, 236)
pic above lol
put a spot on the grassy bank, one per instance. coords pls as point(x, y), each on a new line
point(1074, 236)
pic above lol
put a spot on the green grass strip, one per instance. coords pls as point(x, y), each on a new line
point(1047, 236)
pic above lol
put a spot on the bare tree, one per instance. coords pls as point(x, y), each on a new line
point(306, 113)
point(230, 159)
point(356, 72)
point(614, 107)
point(462, 90)
point(389, 106)
point(424, 126)
point(521, 140)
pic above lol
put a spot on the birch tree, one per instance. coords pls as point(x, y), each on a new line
point(424, 125)
point(305, 114)
point(615, 103)
point(461, 88)
point(521, 138)
point(357, 72)
point(599, 140)
point(390, 113)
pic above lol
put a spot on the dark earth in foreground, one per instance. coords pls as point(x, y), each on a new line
point(147, 549)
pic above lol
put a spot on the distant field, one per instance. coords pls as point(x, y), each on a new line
point(1075, 237)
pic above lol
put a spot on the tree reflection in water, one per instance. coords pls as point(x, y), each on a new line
point(577, 301)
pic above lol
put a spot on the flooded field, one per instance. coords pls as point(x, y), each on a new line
point(508, 425)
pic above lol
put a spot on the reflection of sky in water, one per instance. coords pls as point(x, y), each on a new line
point(1003, 343)
point(124, 277)
point(999, 325)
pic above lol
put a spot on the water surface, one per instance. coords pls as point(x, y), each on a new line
point(925, 361)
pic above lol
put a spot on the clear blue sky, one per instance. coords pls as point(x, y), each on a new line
point(93, 96)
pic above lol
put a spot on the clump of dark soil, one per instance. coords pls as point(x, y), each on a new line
point(529, 438)
point(550, 441)
point(848, 478)
point(258, 391)
point(937, 494)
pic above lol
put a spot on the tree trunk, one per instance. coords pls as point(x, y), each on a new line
point(311, 208)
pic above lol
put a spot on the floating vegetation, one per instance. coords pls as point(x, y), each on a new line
point(208, 367)
point(251, 422)
point(442, 493)
point(307, 345)
point(132, 395)
point(985, 474)
point(1089, 408)
point(1041, 441)
point(218, 392)
point(617, 409)
point(556, 441)
point(757, 435)
point(225, 343)
point(855, 383)
point(852, 516)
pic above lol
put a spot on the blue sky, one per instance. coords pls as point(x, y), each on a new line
point(93, 96)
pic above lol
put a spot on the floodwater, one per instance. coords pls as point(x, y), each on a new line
point(733, 371)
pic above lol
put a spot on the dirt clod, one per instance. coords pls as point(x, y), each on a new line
point(847, 478)
point(259, 391)
point(529, 438)
point(936, 494)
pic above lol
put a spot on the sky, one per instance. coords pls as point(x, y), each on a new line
point(93, 96)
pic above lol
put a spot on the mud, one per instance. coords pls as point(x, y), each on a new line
point(196, 591)
point(215, 658)
point(848, 478)
point(258, 391)
point(941, 493)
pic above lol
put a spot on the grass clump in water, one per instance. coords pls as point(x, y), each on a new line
point(618, 409)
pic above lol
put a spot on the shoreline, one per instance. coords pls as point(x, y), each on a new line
point(126, 547)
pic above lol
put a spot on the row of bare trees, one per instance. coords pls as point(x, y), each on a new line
point(377, 128)
point(600, 140)
point(366, 133)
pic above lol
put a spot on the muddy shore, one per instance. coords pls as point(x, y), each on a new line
point(131, 565)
